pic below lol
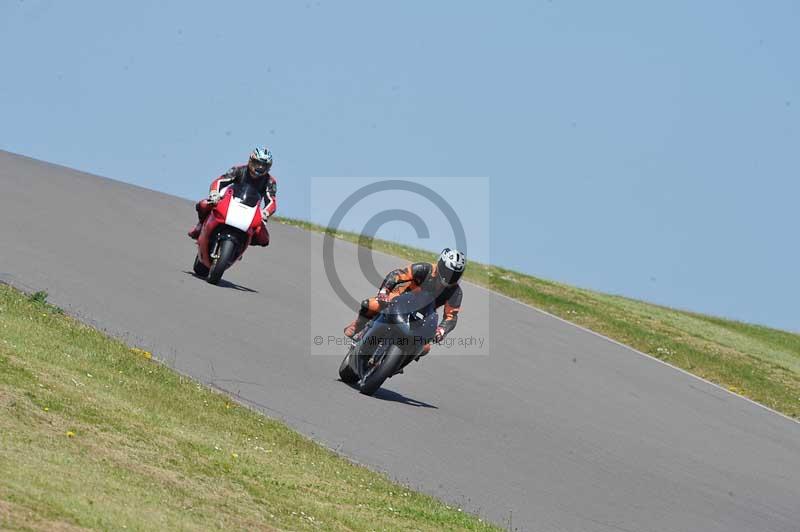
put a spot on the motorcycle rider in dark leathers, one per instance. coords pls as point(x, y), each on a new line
point(439, 279)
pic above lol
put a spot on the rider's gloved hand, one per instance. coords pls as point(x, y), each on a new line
point(264, 216)
point(214, 197)
point(438, 336)
point(383, 296)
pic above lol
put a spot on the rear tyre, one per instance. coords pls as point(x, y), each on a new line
point(388, 366)
point(200, 269)
point(227, 248)
point(346, 373)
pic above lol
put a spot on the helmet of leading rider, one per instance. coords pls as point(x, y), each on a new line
point(450, 266)
point(260, 162)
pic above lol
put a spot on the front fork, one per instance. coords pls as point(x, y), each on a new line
point(214, 255)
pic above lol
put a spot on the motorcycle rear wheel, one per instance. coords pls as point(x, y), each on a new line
point(346, 373)
point(200, 269)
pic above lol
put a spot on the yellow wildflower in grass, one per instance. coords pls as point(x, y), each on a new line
point(141, 352)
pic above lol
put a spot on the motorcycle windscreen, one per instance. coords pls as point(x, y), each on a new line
point(247, 193)
point(239, 215)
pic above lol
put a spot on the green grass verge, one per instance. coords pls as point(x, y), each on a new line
point(94, 434)
point(758, 362)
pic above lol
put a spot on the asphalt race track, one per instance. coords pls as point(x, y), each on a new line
point(556, 429)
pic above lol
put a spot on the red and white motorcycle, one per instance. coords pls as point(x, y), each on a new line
point(227, 231)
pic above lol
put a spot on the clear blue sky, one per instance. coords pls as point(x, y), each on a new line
point(642, 148)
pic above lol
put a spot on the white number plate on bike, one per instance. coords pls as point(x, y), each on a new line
point(240, 216)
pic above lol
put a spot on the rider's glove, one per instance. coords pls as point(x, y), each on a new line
point(214, 197)
point(383, 296)
point(264, 216)
point(438, 335)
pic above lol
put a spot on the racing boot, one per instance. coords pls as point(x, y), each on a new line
point(203, 209)
point(355, 327)
point(195, 233)
point(425, 350)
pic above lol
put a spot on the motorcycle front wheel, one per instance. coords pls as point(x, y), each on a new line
point(227, 250)
point(384, 368)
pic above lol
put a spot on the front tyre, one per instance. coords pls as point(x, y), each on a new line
point(387, 367)
point(227, 250)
